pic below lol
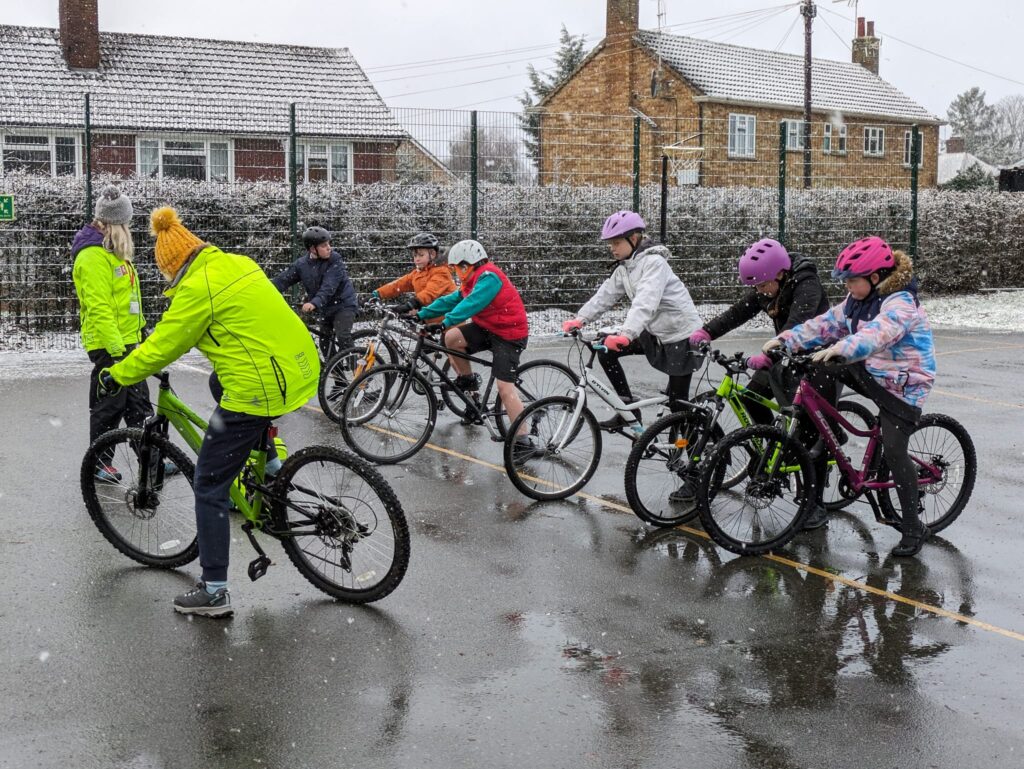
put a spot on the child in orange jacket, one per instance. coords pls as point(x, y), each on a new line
point(427, 281)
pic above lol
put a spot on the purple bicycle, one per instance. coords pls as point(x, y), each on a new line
point(769, 506)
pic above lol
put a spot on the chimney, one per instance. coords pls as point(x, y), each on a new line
point(866, 45)
point(80, 33)
point(622, 20)
point(956, 144)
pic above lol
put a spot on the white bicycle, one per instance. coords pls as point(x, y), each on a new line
point(564, 436)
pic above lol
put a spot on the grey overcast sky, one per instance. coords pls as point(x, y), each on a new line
point(985, 34)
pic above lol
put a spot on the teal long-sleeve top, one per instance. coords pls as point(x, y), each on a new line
point(457, 308)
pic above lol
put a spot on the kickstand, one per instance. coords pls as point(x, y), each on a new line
point(259, 566)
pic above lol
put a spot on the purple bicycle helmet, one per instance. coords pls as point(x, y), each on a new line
point(763, 261)
point(620, 224)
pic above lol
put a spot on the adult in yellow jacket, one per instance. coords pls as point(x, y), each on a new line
point(110, 311)
point(427, 281)
point(262, 355)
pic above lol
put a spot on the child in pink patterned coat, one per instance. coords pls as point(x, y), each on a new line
point(883, 332)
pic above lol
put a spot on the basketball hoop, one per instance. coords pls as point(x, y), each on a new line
point(684, 164)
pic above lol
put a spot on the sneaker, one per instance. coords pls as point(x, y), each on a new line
point(525, 448)
point(108, 474)
point(469, 383)
point(617, 422)
point(171, 469)
point(273, 466)
point(199, 601)
point(684, 495)
point(911, 542)
point(817, 518)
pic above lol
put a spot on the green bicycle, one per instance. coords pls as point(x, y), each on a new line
point(666, 458)
point(337, 518)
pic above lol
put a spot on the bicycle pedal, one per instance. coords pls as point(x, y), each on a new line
point(258, 567)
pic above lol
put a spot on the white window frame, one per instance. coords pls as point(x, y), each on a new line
point(829, 135)
point(205, 139)
point(874, 134)
point(908, 137)
point(330, 147)
point(749, 136)
point(794, 135)
point(51, 135)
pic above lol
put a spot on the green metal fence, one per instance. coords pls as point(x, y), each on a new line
point(535, 195)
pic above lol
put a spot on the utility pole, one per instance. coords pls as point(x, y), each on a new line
point(808, 10)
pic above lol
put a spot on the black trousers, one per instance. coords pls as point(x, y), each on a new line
point(130, 404)
point(678, 385)
point(340, 326)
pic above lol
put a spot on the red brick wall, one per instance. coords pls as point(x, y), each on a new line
point(373, 162)
point(113, 154)
point(260, 160)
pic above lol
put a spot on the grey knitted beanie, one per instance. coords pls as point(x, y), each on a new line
point(113, 207)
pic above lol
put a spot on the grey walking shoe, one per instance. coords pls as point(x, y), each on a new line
point(199, 601)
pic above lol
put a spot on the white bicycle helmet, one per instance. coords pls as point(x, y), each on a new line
point(466, 252)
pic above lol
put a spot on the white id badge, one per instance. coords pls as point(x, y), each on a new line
point(133, 308)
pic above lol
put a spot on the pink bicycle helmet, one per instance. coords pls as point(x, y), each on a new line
point(620, 224)
point(763, 261)
point(863, 257)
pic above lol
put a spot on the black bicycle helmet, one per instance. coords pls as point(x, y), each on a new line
point(314, 236)
point(424, 240)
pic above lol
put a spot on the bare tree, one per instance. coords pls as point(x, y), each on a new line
point(499, 155)
point(1010, 126)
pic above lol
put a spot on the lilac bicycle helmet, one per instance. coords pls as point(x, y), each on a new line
point(863, 257)
point(620, 224)
point(763, 261)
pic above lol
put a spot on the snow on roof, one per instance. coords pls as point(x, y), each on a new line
point(953, 163)
point(188, 84)
point(751, 75)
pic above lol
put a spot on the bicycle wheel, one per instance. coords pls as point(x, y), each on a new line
point(161, 531)
point(942, 442)
point(338, 373)
point(837, 495)
point(341, 524)
point(551, 470)
point(662, 465)
point(736, 469)
point(388, 414)
point(536, 379)
point(769, 506)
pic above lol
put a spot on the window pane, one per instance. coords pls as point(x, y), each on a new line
point(31, 141)
point(149, 158)
point(64, 152)
point(317, 169)
point(184, 146)
point(34, 161)
point(184, 166)
point(339, 163)
point(318, 150)
point(218, 161)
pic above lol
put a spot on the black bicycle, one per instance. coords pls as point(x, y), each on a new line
point(388, 412)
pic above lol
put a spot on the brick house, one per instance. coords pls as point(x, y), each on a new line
point(719, 107)
point(209, 110)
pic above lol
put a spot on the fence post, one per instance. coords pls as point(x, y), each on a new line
point(915, 159)
point(473, 179)
point(636, 164)
point(664, 197)
point(88, 159)
point(782, 182)
point(293, 181)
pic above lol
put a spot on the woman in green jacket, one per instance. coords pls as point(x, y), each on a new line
point(262, 355)
point(110, 310)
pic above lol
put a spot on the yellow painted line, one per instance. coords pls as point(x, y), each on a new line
point(981, 349)
point(976, 399)
point(798, 565)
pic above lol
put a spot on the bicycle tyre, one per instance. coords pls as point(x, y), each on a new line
point(727, 423)
point(389, 413)
point(536, 379)
point(648, 492)
point(957, 452)
point(165, 551)
point(337, 374)
point(452, 402)
point(832, 475)
point(543, 417)
point(736, 532)
point(334, 532)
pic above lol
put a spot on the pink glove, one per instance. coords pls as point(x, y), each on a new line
point(616, 343)
point(698, 337)
point(571, 325)
point(759, 361)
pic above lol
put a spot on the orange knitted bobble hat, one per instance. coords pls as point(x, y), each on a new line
point(174, 243)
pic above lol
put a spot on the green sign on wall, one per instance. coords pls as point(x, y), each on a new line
point(6, 208)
